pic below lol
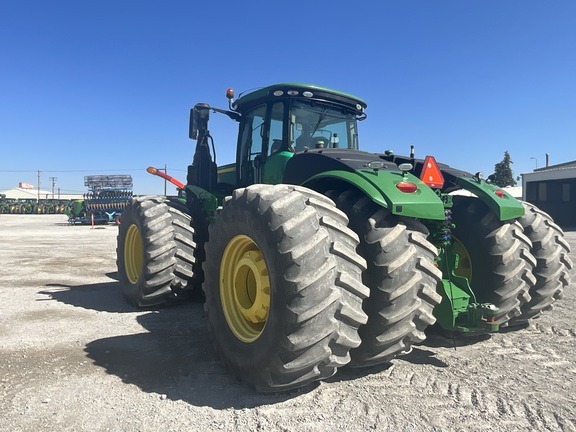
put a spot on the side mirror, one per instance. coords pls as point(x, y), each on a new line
point(193, 128)
point(199, 116)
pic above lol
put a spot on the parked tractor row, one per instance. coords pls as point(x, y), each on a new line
point(313, 255)
point(104, 202)
point(33, 206)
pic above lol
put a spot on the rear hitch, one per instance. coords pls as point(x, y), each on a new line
point(459, 310)
point(480, 319)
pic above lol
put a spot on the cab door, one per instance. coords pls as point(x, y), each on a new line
point(253, 139)
point(280, 148)
point(263, 147)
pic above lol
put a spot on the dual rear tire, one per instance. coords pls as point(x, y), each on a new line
point(521, 266)
point(553, 263)
point(494, 256)
point(400, 273)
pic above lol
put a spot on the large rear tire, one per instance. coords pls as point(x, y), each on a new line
point(495, 256)
point(283, 286)
point(401, 276)
point(155, 252)
point(552, 262)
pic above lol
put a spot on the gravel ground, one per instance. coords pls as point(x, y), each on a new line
point(75, 356)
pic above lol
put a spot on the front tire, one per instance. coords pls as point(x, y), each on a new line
point(155, 252)
point(401, 276)
point(283, 286)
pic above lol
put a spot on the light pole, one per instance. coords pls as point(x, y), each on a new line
point(535, 160)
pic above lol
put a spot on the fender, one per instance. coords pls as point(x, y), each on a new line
point(504, 205)
point(380, 187)
point(319, 169)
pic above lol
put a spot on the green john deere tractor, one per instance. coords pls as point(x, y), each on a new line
point(314, 255)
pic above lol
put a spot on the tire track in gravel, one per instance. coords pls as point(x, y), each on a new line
point(452, 398)
point(519, 379)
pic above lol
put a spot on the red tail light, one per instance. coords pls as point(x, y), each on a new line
point(499, 193)
point(407, 187)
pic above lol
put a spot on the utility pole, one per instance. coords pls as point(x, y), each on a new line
point(38, 197)
point(165, 181)
point(53, 180)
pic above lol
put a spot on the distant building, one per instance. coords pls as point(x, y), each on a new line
point(553, 189)
point(515, 191)
point(28, 193)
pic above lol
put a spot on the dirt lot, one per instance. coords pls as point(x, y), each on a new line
point(75, 356)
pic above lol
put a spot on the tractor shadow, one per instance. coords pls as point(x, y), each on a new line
point(175, 360)
point(438, 338)
point(101, 297)
point(421, 354)
point(172, 356)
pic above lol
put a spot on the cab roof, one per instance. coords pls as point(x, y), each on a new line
point(298, 91)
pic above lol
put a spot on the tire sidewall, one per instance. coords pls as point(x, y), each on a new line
point(470, 232)
point(130, 216)
point(500, 257)
point(253, 356)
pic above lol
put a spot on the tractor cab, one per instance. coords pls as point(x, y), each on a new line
point(275, 123)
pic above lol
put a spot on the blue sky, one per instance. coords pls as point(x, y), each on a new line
point(105, 87)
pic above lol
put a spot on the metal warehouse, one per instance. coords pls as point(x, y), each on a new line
point(553, 189)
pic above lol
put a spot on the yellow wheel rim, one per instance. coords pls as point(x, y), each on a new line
point(464, 263)
point(133, 254)
point(244, 288)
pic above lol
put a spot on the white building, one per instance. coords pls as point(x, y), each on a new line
point(28, 193)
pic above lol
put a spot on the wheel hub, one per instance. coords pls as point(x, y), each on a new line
point(244, 288)
point(464, 267)
point(250, 296)
point(133, 254)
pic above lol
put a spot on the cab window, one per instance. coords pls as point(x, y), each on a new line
point(251, 144)
point(316, 125)
point(276, 127)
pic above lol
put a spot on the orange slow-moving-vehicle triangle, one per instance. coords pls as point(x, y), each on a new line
point(431, 174)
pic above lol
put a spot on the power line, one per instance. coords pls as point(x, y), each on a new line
point(76, 170)
point(18, 171)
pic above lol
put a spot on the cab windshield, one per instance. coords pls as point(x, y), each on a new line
point(315, 125)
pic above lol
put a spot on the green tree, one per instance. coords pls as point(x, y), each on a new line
point(503, 175)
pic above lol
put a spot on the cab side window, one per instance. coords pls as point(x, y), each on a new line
point(276, 124)
point(254, 131)
point(253, 138)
